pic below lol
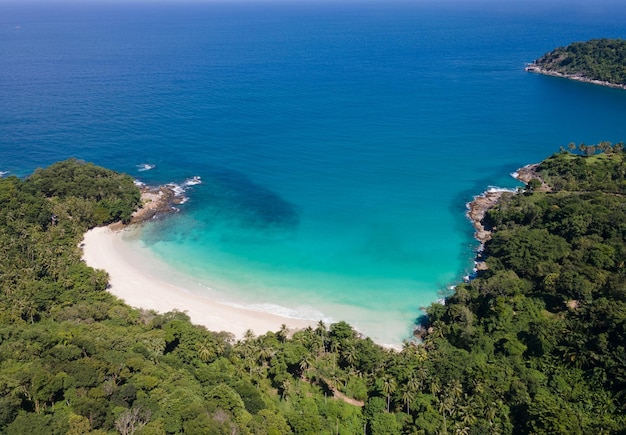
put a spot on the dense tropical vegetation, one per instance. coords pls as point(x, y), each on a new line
point(534, 344)
point(597, 59)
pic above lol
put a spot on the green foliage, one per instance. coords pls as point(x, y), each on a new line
point(597, 59)
point(107, 196)
point(534, 344)
point(525, 250)
point(603, 170)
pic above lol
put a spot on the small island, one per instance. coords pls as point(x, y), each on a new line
point(597, 61)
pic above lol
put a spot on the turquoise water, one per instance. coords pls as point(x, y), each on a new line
point(337, 143)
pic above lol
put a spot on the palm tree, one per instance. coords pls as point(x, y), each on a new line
point(389, 387)
point(413, 383)
point(321, 328)
point(350, 354)
point(257, 373)
point(468, 420)
point(265, 352)
point(220, 346)
point(239, 365)
point(334, 348)
point(456, 389)
point(283, 333)
point(305, 364)
point(407, 398)
point(285, 386)
point(306, 337)
point(445, 405)
point(29, 310)
point(205, 351)
point(248, 335)
point(435, 388)
point(448, 403)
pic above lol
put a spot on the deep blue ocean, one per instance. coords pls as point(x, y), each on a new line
point(337, 142)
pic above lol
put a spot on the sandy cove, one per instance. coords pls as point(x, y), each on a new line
point(131, 281)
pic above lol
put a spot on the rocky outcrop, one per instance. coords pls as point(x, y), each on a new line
point(529, 173)
point(477, 210)
point(155, 202)
point(535, 68)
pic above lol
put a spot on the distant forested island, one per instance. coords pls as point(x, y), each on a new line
point(599, 61)
point(534, 344)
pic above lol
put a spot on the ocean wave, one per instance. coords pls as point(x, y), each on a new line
point(176, 188)
point(491, 190)
point(145, 167)
point(180, 190)
point(3, 173)
point(494, 189)
point(139, 183)
point(193, 181)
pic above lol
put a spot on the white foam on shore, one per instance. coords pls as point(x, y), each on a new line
point(300, 313)
point(495, 189)
point(3, 173)
point(491, 189)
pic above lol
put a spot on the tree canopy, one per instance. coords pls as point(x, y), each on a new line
point(101, 196)
point(597, 59)
point(534, 344)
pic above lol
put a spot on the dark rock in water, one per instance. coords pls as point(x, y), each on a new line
point(156, 201)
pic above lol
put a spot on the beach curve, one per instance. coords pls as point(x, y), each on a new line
point(136, 284)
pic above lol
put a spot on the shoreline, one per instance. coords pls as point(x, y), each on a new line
point(143, 281)
point(477, 208)
point(104, 248)
point(534, 68)
point(133, 271)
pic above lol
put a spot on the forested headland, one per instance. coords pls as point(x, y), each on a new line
point(534, 344)
point(601, 61)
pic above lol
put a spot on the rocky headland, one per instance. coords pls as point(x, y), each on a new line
point(597, 61)
point(535, 68)
point(477, 209)
point(156, 201)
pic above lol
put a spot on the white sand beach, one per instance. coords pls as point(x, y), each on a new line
point(133, 282)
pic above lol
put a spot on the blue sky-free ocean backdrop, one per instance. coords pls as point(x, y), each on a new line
point(337, 143)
